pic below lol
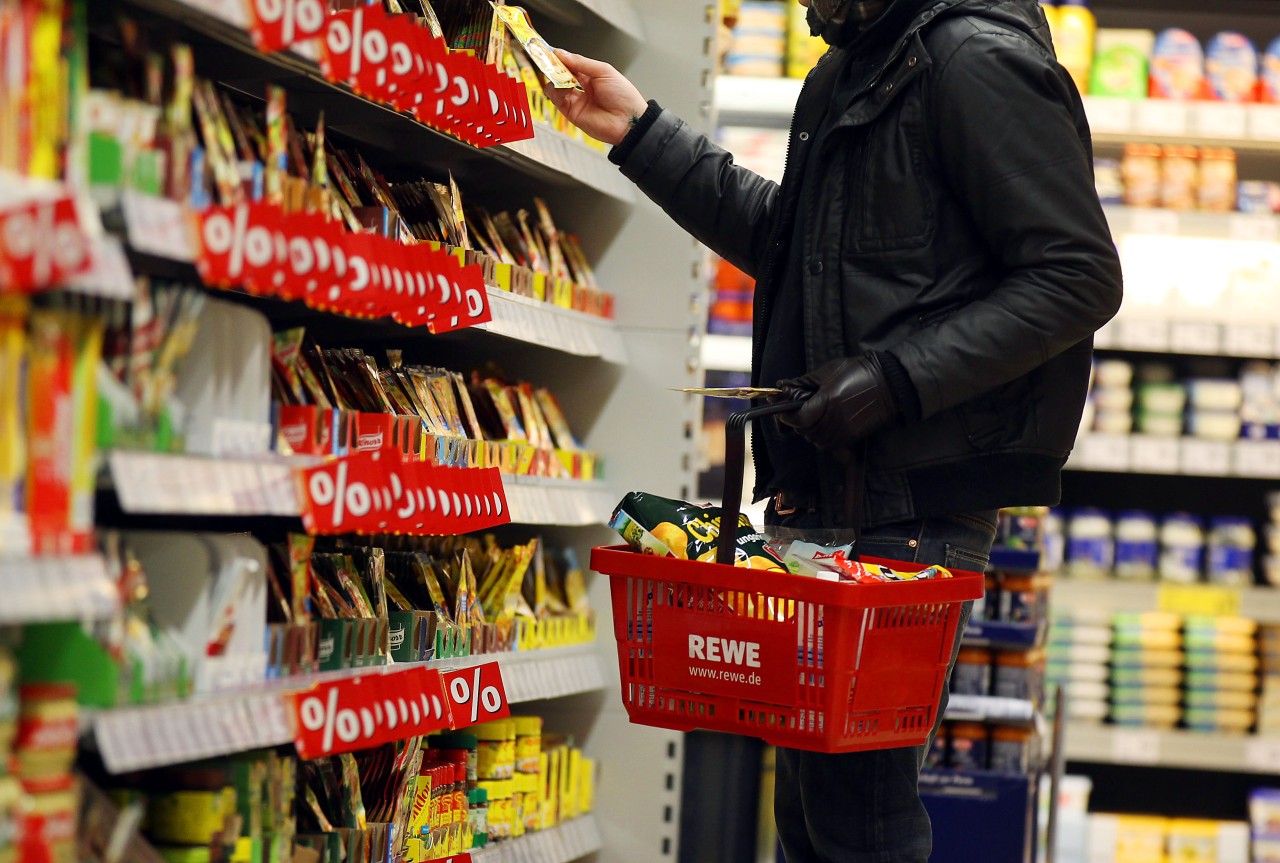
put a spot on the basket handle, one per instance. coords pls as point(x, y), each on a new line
point(735, 460)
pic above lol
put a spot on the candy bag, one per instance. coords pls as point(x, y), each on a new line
point(673, 528)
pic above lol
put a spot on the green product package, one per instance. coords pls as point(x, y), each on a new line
point(1119, 72)
point(674, 528)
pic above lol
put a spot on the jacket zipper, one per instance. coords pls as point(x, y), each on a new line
point(764, 302)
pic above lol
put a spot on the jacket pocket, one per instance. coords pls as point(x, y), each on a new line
point(894, 206)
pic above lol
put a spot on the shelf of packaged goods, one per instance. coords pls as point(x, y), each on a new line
point(224, 51)
point(56, 587)
point(1243, 127)
point(144, 737)
point(1147, 333)
point(743, 101)
point(1145, 747)
point(1114, 596)
point(563, 843)
point(1153, 221)
point(1148, 454)
point(156, 229)
point(726, 353)
point(568, 503)
point(148, 483)
point(990, 708)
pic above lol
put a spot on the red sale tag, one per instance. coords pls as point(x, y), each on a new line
point(280, 24)
point(42, 244)
point(477, 694)
point(362, 712)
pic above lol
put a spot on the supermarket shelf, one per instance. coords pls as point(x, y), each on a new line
point(726, 353)
point(140, 738)
point(224, 50)
point(1184, 456)
point(1016, 636)
point(1107, 744)
point(1151, 221)
point(1244, 127)
point(564, 843)
point(1131, 332)
point(42, 589)
point(1259, 603)
point(568, 503)
point(990, 708)
point(157, 228)
point(769, 102)
point(540, 323)
point(618, 14)
point(191, 485)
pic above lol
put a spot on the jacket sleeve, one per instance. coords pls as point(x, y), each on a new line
point(1010, 151)
point(724, 206)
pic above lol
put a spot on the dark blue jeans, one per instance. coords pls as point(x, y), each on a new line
point(864, 807)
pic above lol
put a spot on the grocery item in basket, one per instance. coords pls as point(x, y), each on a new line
point(839, 563)
point(674, 528)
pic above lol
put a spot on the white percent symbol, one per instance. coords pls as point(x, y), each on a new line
point(365, 47)
point(317, 715)
point(231, 235)
point(466, 691)
point(37, 236)
point(344, 497)
point(293, 16)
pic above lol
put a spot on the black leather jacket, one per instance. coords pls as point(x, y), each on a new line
point(957, 228)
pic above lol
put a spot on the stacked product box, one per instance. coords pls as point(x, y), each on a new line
point(1080, 662)
point(1151, 839)
point(1221, 679)
point(1269, 680)
point(1146, 663)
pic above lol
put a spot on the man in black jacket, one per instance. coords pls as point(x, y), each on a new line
point(930, 273)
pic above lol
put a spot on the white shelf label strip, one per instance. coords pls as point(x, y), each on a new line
point(56, 588)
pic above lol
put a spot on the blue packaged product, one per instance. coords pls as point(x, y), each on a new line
point(1177, 66)
point(1231, 67)
point(1137, 546)
point(1271, 73)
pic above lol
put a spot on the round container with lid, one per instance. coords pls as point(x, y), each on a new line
point(1012, 750)
point(1019, 674)
point(972, 674)
point(1136, 545)
point(1140, 169)
point(1231, 543)
point(1219, 179)
point(1090, 544)
point(1180, 177)
point(970, 746)
point(1181, 549)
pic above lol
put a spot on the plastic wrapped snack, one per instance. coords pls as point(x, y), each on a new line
point(674, 528)
point(838, 563)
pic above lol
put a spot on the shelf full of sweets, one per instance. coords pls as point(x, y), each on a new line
point(546, 148)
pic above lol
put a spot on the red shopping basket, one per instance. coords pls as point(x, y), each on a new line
point(799, 662)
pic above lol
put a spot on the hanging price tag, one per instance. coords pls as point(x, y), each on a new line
point(279, 24)
point(1206, 457)
point(362, 712)
point(41, 244)
point(477, 694)
point(1160, 117)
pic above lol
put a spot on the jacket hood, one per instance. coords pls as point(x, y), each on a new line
point(905, 17)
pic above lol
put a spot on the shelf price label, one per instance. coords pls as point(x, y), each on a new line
point(1160, 117)
point(1152, 454)
point(1221, 120)
point(477, 694)
point(1133, 746)
point(1138, 335)
point(1249, 340)
point(377, 492)
point(1206, 457)
point(1200, 599)
point(1195, 337)
point(362, 712)
point(1263, 755)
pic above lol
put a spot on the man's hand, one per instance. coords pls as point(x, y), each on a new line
point(608, 103)
point(847, 400)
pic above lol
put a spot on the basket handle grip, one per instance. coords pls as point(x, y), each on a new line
point(735, 459)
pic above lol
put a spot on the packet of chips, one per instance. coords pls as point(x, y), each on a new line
point(541, 53)
point(673, 528)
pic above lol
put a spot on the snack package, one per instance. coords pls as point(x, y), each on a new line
point(837, 563)
point(542, 54)
point(673, 528)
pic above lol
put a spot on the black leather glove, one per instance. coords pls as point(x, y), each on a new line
point(847, 400)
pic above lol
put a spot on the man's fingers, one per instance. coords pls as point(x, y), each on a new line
point(580, 65)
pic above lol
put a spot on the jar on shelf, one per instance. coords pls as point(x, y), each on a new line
point(1231, 543)
point(970, 746)
point(1181, 549)
point(1180, 178)
point(1137, 546)
point(972, 674)
point(1219, 180)
point(1140, 170)
point(1090, 545)
point(1012, 749)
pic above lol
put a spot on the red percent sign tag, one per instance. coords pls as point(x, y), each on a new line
point(362, 712)
point(41, 245)
point(375, 492)
point(280, 24)
point(477, 694)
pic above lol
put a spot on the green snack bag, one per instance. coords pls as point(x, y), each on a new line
point(674, 528)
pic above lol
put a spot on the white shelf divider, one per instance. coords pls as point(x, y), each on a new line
point(52, 588)
point(572, 158)
point(563, 843)
point(1147, 747)
point(541, 323)
point(1185, 456)
point(144, 737)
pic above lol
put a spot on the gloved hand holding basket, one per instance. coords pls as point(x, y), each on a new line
point(826, 666)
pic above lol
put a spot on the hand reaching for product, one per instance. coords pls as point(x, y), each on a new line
point(607, 104)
